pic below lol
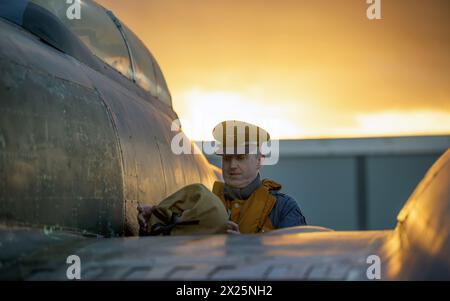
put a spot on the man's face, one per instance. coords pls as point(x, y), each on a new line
point(240, 170)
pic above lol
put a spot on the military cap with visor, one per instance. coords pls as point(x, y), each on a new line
point(238, 137)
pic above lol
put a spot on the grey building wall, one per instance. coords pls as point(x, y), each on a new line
point(390, 181)
point(349, 184)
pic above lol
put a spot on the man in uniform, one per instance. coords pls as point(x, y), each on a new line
point(253, 205)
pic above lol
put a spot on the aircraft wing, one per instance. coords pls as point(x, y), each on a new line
point(299, 254)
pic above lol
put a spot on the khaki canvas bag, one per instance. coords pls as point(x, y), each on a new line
point(194, 209)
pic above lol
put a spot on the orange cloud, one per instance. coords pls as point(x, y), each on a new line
point(316, 68)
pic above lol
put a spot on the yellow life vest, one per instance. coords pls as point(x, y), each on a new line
point(252, 215)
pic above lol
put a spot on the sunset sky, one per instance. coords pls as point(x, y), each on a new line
point(301, 68)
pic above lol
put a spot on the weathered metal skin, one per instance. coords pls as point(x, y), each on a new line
point(79, 149)
point(60, 164)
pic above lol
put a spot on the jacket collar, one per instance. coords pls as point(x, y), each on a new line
point(244, 193)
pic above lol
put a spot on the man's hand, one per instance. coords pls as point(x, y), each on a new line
point(233, 228)
point(144, 213)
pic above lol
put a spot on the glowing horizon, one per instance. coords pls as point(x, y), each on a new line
point(301, 69)
point(377, 124)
